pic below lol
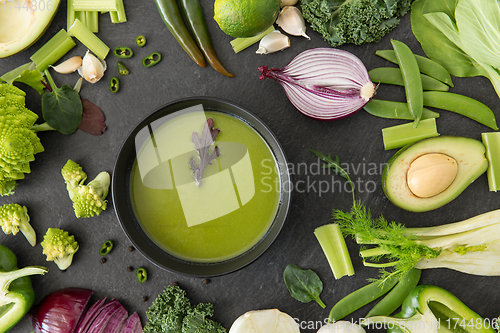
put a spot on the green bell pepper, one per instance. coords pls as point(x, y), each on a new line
point(432, 309)
point(16, 293)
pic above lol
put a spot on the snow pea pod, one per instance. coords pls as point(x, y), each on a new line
point(411, 77)
point(460, 104)
point(392, 75)
point(360, 298)
point(426, 66)
point(394, 110)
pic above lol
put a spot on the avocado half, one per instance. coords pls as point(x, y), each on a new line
point(22, 23)
point(471, 161)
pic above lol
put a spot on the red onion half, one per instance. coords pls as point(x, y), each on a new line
point(324, 83)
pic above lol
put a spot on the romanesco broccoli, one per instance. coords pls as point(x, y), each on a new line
point(88, 200)
point(15, 218)
point(59, 247)
point(18, 141)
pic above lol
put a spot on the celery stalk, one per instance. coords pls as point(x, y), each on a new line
point(82, 16)
point(239, 44)
point(122, 17)
point(491, 141)
point(333, 244)
point(114, 17)
point(92, 21)
point(401, 135)
point(71, 15)
point(95, 5)
point(84, 35)
point(53, 50)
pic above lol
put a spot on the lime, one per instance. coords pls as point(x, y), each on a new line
point(245, 18)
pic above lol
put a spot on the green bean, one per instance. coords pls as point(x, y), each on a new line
point(426, 66)
point(411, 77)
point(360, 298)
point(394, 110)
point(393, 300)
point(392, 75)
point(463, 105)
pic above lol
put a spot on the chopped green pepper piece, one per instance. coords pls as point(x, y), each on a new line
point(123, 52)
point(122, 69)
point(106, 247)
point(114, 85)
point(140, 41)
point(142, 274)
point(151, 60)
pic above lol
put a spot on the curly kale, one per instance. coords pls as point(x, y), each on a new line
point(172, 312)
point(354, 21)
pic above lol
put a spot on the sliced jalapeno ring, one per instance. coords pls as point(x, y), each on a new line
point(123, 52)
point(114, 84)
point(122, 69)
point(140, 41)
point(152, 59)
point(142, 274)
point(106, 247)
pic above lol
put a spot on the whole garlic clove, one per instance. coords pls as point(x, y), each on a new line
point(273, 42)
point(284, 3)
point(292, 21)
point(92, 69)
point(68, 66)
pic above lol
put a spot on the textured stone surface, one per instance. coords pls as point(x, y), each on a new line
point(356, 140)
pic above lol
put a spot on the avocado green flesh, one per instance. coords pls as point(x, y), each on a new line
point(470, 157)
point(22, 23)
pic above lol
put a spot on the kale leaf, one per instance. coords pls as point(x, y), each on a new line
point(354, 21)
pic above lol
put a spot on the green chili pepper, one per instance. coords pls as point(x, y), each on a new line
point(16, 293)
point(196, 22)
point(392, 75)
point(463, 105)
point(394, 110)
point(106, 247)
point(393, 300)
point(142, 274)
point(174, 21)
point(123, 52)
point(122, 69)
point(360, 298)
point(151, 60)
point(114, 84)
point(140, 41)
point(428, 308)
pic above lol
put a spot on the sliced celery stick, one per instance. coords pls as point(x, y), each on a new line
point(401, 135)
point(84, 35)
point(82, 16)
point(93, 21)
point(114, 17)
point(95, 5)
point(122, 17)
point(491, 141)
point(239, 44)
point(333, 244)
point(71, 15)
point(53, 50)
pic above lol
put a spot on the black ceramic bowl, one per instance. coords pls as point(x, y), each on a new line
point(121, 189)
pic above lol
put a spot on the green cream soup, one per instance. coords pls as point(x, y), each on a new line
point(233, 207)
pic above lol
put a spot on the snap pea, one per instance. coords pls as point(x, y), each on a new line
point(426, 66)
point(411, 78)
point(460, 104)
point(360, 298)
point(394, 110)
point(393, 300)
point(392, 75)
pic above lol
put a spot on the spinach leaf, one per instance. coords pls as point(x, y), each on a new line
point(62, 108)
point(304, 285)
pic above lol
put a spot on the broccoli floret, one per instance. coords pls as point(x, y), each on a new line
point(15, 218)
point(88, 200)
point(59, 247)
point(18, 141)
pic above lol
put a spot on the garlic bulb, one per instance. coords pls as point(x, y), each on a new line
point(341, 327)
point(68, 66)
point(284, 3)
point(273, 42)
point(292, 21)
point(265, 321)
point(92, 69)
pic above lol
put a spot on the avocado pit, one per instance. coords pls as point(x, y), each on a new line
point(431, 174)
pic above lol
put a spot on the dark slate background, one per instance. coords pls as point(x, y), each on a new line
point(356, 139)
